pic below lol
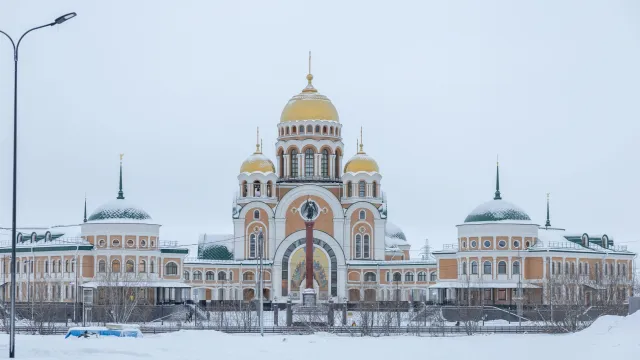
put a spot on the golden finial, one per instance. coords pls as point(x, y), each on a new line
point(260, 145)
point(309, 87)
point(121, 155)
point(257, 140)
point(497, 160)
point(548, 196)
point(361, 139)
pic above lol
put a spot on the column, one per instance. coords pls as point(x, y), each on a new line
point(263, 189)
point(286, 165)
point(316, 165)
point(332, 166)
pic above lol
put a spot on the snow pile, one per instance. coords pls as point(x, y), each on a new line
point(394, 235)
point(497, 210)
point(119, 209)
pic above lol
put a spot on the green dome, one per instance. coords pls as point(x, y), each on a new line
point(497, 210)
point(118, 210)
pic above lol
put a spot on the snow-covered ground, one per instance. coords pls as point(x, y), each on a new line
point(609, 337)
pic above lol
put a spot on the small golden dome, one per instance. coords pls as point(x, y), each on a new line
point(361, 162)
point(309, 105)
point(257, 163)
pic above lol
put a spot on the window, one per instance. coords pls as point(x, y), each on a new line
point(566, 268)
point(308, 163)
point(130, 242)
point(580, 269)
point(294, 163)
point(362, 215)
point(142, 267)
point(502, 243)
point(433, 276)
point(66, 266)
point(502, 267)
point(473, 244)
point(464, 244)
point(358, 246)
point(486, 268)
point(197, 275)
point(487, 294)
point(115, 266)
point(222, 276)
point(248, 276)
point(474, 268)
point(46, 267)
point(152, 267)
point(408, 276)
point(369, 277)
point(252, 246)
point(597, 270)
point(102, 266)
point(349, 189)
point(324, 163)
point(515, 268)
point(527, 244)
point(361, 189)
point(244, 189)
point(54, 269)
point(209, 276)
point(374, 189)
point(464, 268)
point(101, 243)
point(256, 214)
point(387, 276)
point(487, 243)
point(256, 188)
point(18, 267)
point(185, 275)
point(366, 246)
point(301, 129)
point(624, 269)
point(422, 276)
point(397, 277)
point(269, 186)
point(605, 267)
point(516, 244)
point(317, 129)
point(230, 275)
point(172, 269)
point(115, 243)
point(130, 266)
point(502, 294)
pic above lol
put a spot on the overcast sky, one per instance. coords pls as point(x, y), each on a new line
point(440, 88)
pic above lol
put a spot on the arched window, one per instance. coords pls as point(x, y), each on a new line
point(566, 268)
point(152, 268)
point(433, 276)
point(474, 268)
point(324, 164)
point(464, 268)
point(256, 214)
point(252, 246)
point(172, 269)
point(102, 266)
point(387, 275)
point(349, 189)
point(142, 267)
point(331, 130)
point(222, 276)
point(294, 163)
point(256, 189)
point(361, 189)
point(397, 277)
point(408, 276)
point(580, 269)
point(611, 269)
point(197, 275)
point(308, 162)
point(374, 189)
point(244, 189)
point(54, 269)
point(515, 268)
point(269, 189)
point(25, 267)
point(115, 266)
point(288, 132)
point(605, 268)
point(66, 266)
point(294, 130)
point(248, 276)
point(185, 275)
point(230, 275)
point(301, 129)
point(324, 130)
point(362, 215)
point(366, 247)
point(18, 267)
point(486, 268)
point(422, 276)
point(573, 268)
point(281, 156)
point(502, 267)
point(358, 246)
point(130, 266)
point(309, 129)
point(317, 129)
point(210, 276)
point(369, 277)
point(597, 268)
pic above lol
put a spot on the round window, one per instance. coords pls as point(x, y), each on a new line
point(473, 243)
point(502, 243)
point(487, 243)
point(116, 242)
point(153, 243)
point(516, 244)
point(143, 243)
point(130, 243)
point(101, 243)
point(527, 244)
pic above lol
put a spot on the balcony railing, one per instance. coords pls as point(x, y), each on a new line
point(326, 179)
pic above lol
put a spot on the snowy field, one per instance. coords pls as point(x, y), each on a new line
point(608, 337)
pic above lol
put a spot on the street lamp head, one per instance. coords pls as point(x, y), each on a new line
point(64, 18)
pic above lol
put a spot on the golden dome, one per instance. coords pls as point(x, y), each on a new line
point(257, 163)
point(309, 105)
point(361, 162)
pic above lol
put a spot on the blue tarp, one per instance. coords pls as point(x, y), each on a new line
point(78, 332)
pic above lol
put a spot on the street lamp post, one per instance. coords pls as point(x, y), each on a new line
point(16, 47)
